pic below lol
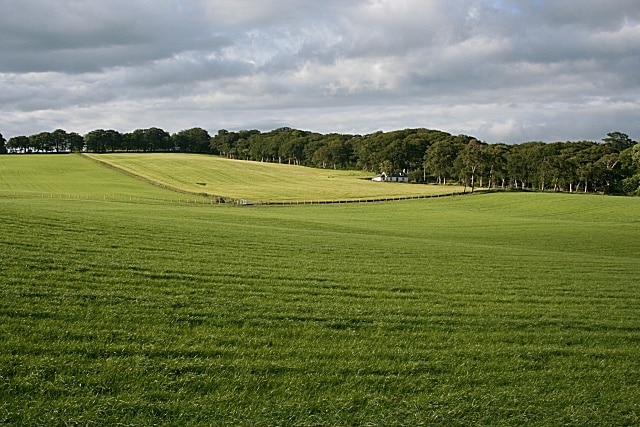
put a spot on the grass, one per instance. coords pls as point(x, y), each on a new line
point(493, 309)
point(261, 182)
point(35, 175)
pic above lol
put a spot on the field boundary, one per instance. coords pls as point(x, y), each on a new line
point(105, 197)
point(352, 201)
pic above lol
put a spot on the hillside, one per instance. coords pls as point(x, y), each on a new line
point(260, 182)
point(70, 176)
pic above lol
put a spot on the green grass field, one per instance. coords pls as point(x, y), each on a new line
point(72, 177)
point(486, 309)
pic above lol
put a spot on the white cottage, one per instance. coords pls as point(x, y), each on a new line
point(392, 177)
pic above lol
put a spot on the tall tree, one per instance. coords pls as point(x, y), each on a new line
point(630, 171)
point(369, 151)
point(439, 159)
point(157, 139)
point(41, 142)
point(133, 141)
point(470, 162)
point(60, 141)
point(76, 141)
point(524, 164)
point(632, 183)
point(18, 143)
point(618, 141)
point(224, 142)
point(608, 167)
point(416, 145)
point(194, 140)
point(100, 140)
point(586, 170)
point(335, 152)
point(496, 158)
point(3, 145)
point(291, 148)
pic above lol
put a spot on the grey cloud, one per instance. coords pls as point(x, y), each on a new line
point(252, 14)
point(497, 69)
point(590, 14)
point(188, 68)
point(72, 36)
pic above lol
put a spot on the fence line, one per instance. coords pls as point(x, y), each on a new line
point(351, 201)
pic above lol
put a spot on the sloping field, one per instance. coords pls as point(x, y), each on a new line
point(260, 182)
point(71, 177)
point(491, 309)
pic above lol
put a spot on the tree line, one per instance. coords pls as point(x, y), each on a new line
point(194, 140)
point(609, 166)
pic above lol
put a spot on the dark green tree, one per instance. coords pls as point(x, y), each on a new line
point(41, 142)
point(470, 162)
point(631, 184)
point(224, 143)
point(368, 151)
point(19, 143)
point(60, 141)
point(312, 144)
point(291, 146)
point(335, 152)
point(157, 139)
point(402, 150)
point(585, 161)
point(101, 141)
point(96, 141)
point(629, 181)
point(416, 145)
point(194, 140)
point(618, 141)
point(439, 159)
point(246, 139)
point(134, 141)
point(496, 158)
point(76, 142)
point(608, 170)
point(3, 145)
point(524, 164)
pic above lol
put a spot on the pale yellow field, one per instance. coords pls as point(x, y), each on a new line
point(259, 182)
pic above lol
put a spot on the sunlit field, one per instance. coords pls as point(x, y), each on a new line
point(71, 177)
point(485, 309)
point(259, 182)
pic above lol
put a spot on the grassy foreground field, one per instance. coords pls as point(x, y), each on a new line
point(493, 309)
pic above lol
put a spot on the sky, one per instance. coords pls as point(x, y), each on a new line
point(499, 70)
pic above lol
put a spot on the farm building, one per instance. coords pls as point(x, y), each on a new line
point(391, 177)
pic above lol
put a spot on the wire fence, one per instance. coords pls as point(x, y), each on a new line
point(352, 201)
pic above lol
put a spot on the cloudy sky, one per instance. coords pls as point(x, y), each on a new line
point(499, 70)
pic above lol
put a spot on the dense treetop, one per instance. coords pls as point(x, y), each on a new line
point(609, 166)
point(3, 148)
